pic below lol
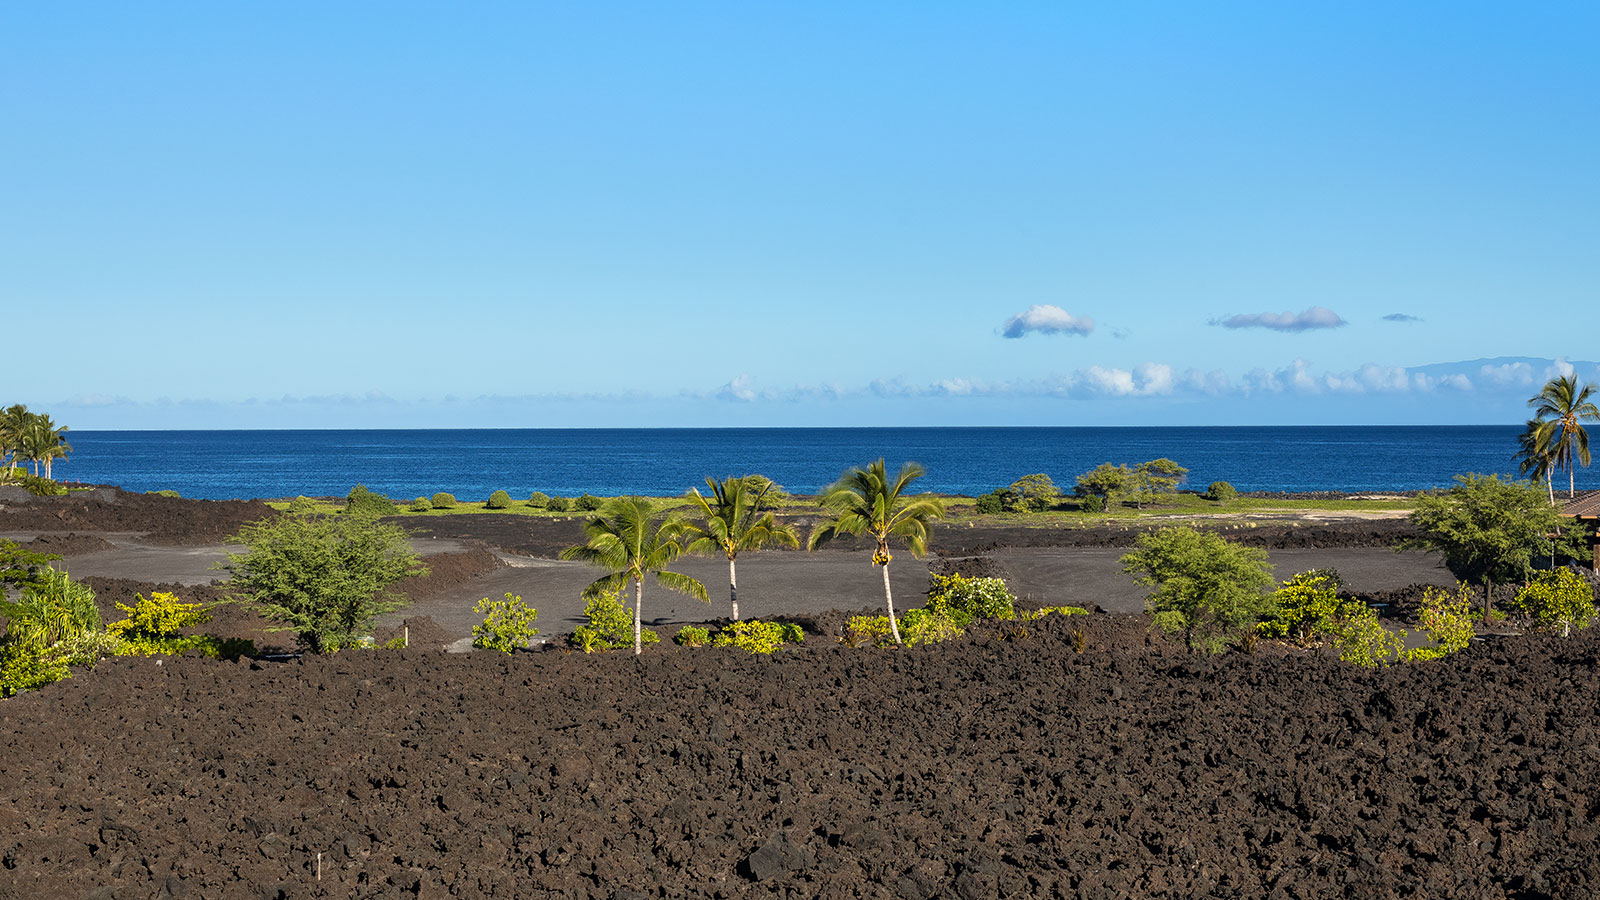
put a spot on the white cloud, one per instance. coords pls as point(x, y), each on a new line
point(1517, 374)
point(1314, 318)
point(739, 390)
point(1046, 320)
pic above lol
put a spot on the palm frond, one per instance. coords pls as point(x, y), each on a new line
point(683, 584)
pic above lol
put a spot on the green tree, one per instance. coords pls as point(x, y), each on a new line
point(1158, 476)
point(325, 578)
point(866, 501)
point(1206, 589)
point(1564, 403)
point(1488, 531)
point(1031, 493)
point(43, 442)
point(1536, 455)
point(733, 520)
point(1108, 482)
point(1557, 600)
point(21, 567)
point(629, 541)
point(14, 421)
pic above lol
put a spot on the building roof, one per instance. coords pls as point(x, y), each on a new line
point(1586, 505)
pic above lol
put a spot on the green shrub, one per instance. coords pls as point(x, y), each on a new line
point(752, 635)
point(1221, 492)
point(443, 500)
point(964, 599)
point(558, 504)
point(1093, 503)
point(610, 625)
point(421, 504)
point(927, 626)
point(989, 504)
point(507, 624)
point(361, 501)
point(1361, 637)
point(862, 630)
point(1447, 619)
point(793, 634)
point(35, 485)
point(1559, 600)
point(692, 636)
point(302, 505)
point(498, 500)
point(1034, 615)
point(538, 499)
point(325, 578)
point(54, 625)
point(1206, 589)
point(165, 493)
point(1304, 607)
point(587, 503)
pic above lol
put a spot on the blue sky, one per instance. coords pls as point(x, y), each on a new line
point(405, 214)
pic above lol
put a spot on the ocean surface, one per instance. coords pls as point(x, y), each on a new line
point(471, 463)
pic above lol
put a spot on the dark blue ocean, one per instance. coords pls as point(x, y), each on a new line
point(472, 463)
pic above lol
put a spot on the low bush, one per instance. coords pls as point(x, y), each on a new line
point(964, 599)
point(1093, 503)
point(692, 636)
point(1304, 607)
point(303, 505)
point(1221, 492)
point(1034, 615)
point(752, 635)
point(165, 493)
point(361, 501)
point(793, 634)
point(989, 504)
point(33, 484)
point(507, 624)
point(1558, 601)
point(54, 625)
point(498, 500)
point(610, 625)
point(443, 500)
point(422, 504)
point(927, 626)
point(864, 630)
point(558, 504)
point(1447, 619)
point(1361, 637)
point(587, 503)
point(538, 499)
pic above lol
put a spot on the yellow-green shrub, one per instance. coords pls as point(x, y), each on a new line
point(928, 626)
point(1557, 601)
point(692, 636)
point(507, 624)
point(610, 625)
point(963, 599)
point(753, 635)
point(1304, 607)
point(1447, 619)
point(1362, 639)
point(1041, 612)
point(861, 630)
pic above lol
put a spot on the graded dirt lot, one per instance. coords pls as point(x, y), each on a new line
point(989, 767)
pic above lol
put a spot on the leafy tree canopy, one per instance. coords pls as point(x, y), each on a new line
point(1206, 589)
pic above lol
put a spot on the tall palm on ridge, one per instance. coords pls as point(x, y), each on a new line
point(866, 501)
point(43, 441)
point(13, 424)
point(1535, 457)
point(735, 521)
point(1565, 404)
point(627, 541)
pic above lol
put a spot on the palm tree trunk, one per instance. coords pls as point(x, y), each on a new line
point(733, 589)
point(888, 596)
point(638, 628)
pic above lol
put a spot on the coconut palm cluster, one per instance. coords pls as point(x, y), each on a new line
point(30, 437)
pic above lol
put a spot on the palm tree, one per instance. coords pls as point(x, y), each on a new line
point(627, 541)
point(866, 501)
point(43, 441)
point(1564, 404)
point(13, 423)
point(734, 521)
point(1535, 457)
